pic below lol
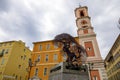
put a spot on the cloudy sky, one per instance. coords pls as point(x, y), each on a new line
point(39, 20)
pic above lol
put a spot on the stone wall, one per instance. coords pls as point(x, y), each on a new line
point(59, 72)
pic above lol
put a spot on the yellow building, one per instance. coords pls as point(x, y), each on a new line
point(14, 58)
point(112, 61)
point(47, 54)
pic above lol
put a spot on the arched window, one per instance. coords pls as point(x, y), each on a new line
point(82, 14)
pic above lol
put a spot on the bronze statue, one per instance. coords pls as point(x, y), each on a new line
point(75, 52)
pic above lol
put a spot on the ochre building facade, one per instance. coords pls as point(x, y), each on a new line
point(47, 54)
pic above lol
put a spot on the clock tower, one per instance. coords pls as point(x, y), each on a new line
point(87, 38)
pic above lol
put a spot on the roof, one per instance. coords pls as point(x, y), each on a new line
point(110, 52)
point(7, 41)
point(12, 41)
point(46, 41)
point(81, 7)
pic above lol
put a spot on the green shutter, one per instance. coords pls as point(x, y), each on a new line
point(1, 54)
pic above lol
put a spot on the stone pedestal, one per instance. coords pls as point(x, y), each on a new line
point(60, 72)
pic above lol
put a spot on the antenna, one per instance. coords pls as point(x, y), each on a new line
point(119, 24)
point(119, 21)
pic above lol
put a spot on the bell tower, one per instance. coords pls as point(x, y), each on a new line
point(86, 34)
point(87, 38)
point(83, 21)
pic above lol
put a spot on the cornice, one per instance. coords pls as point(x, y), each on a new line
point(87, 35)
point(46, 51)
point(83, 18)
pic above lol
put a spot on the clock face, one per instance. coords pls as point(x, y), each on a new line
point(83, 22)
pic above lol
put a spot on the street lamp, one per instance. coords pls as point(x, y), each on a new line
point(31, 64)
point(90, 67)
point(35, 78)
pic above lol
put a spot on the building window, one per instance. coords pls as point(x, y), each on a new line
point(6, 51)
point(82, 14)
point(36, 71)
point(0, 45)
point(45, 71)
point(40, 47)
point(20, 78)
point(24, 50)
point(55, 45)
point(46, 58)
point(19, 66)
point(1, 53)
point(38, 59)
point(5, 44)
point(10, 43)
point(24, 57)
point(14, 74)
point(84, 26)
point(21, 57)
point(16, 77)
point(2, 62)
point(55, 57)
point(48, 46)
point(88, 48)
point(3, 50)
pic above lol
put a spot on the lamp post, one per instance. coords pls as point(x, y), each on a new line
point(90, 67)
point(30, 67)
